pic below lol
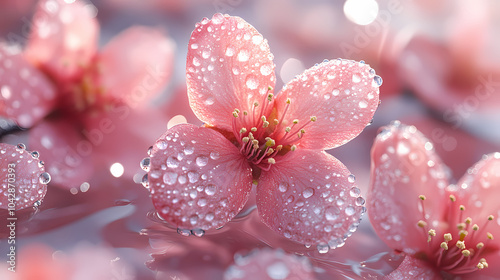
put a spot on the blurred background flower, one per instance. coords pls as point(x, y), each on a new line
point(439, 61)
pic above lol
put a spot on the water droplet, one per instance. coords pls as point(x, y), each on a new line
point(205, 53)
point(214, 155)
point(194, 46)
point(236, 71)
point(283, 187)
point(327, 96)
point(356, 78)
point(354, 192)
point(371, 72)
point(170, 178)
point(323, 248)
point(193, 176)
point(251, 82)
point(201, 161)
point(44, 178)
point(229, 51)
point(202, 202)
point(266, 69)
point(196, 61)
point(363, 104)
point(349, 211)
point(41, 164)
point(335, 92)
point(145, 164)
point(351, 178)
point(209, 101)
point(278, 270)
point(145, 181)
point(182, 179)
point(35, 154)
point(184, 232)
point(210, 189)
point(5, 92)
point(37, 203)
point(172, 162)
point(189, 150)
point(257, 39)
point(243, 55)
point(193, 194)
point(162, 145)
point(198, 232)
point(331, 213)
point(21, 146)
point(377, 81)
point(209, 217)
point(308, 192)
point(360, 201)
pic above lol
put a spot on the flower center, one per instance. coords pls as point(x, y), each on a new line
point(261, 139)
point(461, 250)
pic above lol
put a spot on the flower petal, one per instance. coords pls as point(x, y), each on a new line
point(405, 166)
point(198, 179)
point(136, 64)
point(22, 173)
point(412, 268)
point(229, 66)
point(310, 197)
point(26, 95)
point(67, 154)
point(63, 38)
point(343, 95)
point(268, 264)
point(478, 190)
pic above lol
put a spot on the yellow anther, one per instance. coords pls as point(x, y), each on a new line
point(250, 135)
point(475, 227)
point(269, 88)
point(461, 226)
point(421, 224)
point(480, 266)
point(466, 253)
point(490, 236)
point(293, 148)
point(447, 237)
point(243, 130)
point(432, 232)
point(288, 101)
point(245, 113)
point(263, 118)
point(237, 111)
point(271, 161)
point(288, 129)
point(299, 135)
point(468, 220)
point(255, 142)
point(452, 198)
point(313, 118)
point(270, 97)
point(490, 218)
point(295, 121)
point(444, 245)
point(422, 197)
point(461, 245)
point(276, 122)
point(265, 124)
point(279, 147)
point(270, 151)
point(461, 207)
point(235, 114)
point(270, 143)
point(480, 245)
point(302, 131)
point(253, 129)
point(256, 104)
point(245, 139)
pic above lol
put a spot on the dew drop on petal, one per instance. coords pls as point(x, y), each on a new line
point(308, 192)
point(145, 181)
point(360, 201)
point(323, 248)
point(335, 92)
point(278, 270)
point(172, 162)
point(377, 81)
point(162, 145)
point(209, 101)
point(363, 104)
point(198, 232)
point(145, 164)
point(196, 61)
point(210, 189)
point(201, 161)
point(351, 178)
point(229, 51)
point(184, 232)
point(266, 69)
point(356, 78)
point(354, 192)
point(214, 155)
point(349, 211)
point(44, 178)
point(331, 213)
point(283, 187)
point(243, 55)
point(251, 82)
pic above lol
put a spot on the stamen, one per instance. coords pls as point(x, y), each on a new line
point(460, 245)
point(293, 148)
point(313, 118)
point(245, 140)
point(466, 253)
point(431, 234)
point(271, 160)
point(265, 124)
point(243, 130)
point(489, 235)
point(421, 224)
point(253, 129)
point(452, 198)
point(270, 97)
point(447, 237)
point(480, 245)
point(276, 122)
point(444, 245)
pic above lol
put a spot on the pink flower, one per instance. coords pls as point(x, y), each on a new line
point(84, 95)
point(23, 178)
point(201, 177)
point(444, 228)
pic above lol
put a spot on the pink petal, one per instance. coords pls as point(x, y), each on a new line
point(269, 264)
point(26, 95)
point(136, 64)
point(198, 179)
point(412, 268)
point(404, 166)
point(310, 197)
point(479, 190)
point(63, 38)
point(229, 66)
point(22, 173)
point(342, 94)
point(67, 154)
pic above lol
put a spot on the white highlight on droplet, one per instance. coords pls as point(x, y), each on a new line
point(116, 169)
point(362, 12)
